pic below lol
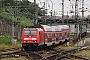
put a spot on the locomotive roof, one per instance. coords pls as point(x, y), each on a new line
point(36, 26)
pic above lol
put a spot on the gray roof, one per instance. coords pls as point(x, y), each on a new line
point(55, 28)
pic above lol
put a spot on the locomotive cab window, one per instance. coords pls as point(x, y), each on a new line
point(29, 32)
point(33, 32)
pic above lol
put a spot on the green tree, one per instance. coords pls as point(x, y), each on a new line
point(20, 9)
point(9, 2)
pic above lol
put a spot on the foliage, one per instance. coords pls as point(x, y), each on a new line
point(73, 33)
point(19, 11)
point(84, 53)
point(24, 21)
point(88, 35)
point(6, 39)
point(19, 58)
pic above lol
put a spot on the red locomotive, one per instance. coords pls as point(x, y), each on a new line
point(44, 35)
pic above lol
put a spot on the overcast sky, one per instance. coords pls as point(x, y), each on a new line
point(57, 6)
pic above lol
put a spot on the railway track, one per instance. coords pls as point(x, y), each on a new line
point(34, 55)
point(67, 54)
point(49, 53)
point(10, 52)
point(11, 49)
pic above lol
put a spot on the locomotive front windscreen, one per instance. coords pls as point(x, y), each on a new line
point(29, 32)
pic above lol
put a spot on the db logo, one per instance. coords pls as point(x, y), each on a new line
point(29, 36)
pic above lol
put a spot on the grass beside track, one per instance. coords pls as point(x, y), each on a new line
point(20, 58)
point(3, 46)
point(85, 53)
point(88, 35)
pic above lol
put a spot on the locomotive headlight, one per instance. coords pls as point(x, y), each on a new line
point(25, 38)
point(29, 38)
point(33, 38)
point(24, 41)
point(35, 41)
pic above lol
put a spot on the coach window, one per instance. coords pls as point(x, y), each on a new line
point(65, 33)
point(49, 37)
point(62, 29)
point(46, 35)
point(53, 35)
point(60, 34)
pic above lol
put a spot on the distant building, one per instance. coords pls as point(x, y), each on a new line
point(66, 16)
point(88, 16)
point(73, 16)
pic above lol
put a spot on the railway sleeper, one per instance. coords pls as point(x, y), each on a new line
point(79, 57)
